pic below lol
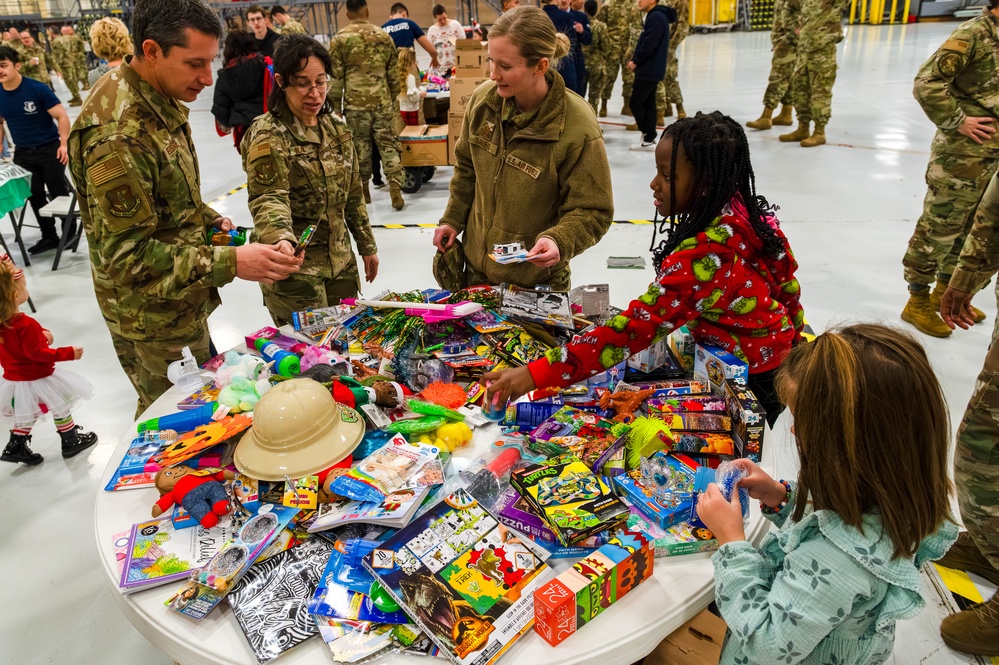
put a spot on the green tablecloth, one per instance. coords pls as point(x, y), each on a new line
point(15, 187)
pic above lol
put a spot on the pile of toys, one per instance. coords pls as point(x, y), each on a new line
point(338, 453)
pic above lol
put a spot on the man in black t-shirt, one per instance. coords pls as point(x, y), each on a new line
point(40, 128)
point(256, 18)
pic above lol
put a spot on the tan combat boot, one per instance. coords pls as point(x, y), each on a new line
point(817, 138)
point(937, 295)
point(920, 313)
point(975, 630)
point(660, 120)
point(797, 135)
point(680, 113)
point(603, 109)
point(764, 121)
point(395, 191)
point(786, 116)
point(626, 109)
point(669, 111)
point(633, 127)
point(965, 555)
point(367, 192)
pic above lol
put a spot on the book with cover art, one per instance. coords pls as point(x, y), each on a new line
point(158, 553)
point(465, 579)
point(581, 433)
point(395, 510)
point(271, 601)
point(206, 394)
point(574, 502)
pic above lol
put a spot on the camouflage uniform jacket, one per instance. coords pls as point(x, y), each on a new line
point(619, 17)
point(787, 19)
point(821, 24)
point(292, 27)
point(980, 256)
point(597, 51)
point(39, 72)
point(61, 53)
point(365, 68)
point(77, 49)
point(297, 176)
point(962, 79)
point(523, 176)
point(136, 172)
point(678, 31)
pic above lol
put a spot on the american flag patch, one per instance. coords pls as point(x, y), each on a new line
point(106, 171)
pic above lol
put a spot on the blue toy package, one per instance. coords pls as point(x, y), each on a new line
point(727, 477)
point(334, 598)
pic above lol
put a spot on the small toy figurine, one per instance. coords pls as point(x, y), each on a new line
point(624, 403)
point(201, 493)
point(348, 390)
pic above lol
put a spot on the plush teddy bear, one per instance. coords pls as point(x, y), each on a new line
point(199, 492)
point(243, 380)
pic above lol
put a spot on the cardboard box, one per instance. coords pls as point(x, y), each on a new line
point(471, 58)
point(424, 145)
point(454, 121)
point(716, 365)
point(697, 642)
point(677, 540)
point(461, 92)
point(748, 420)
point(579, 594)
point(651, 358)
point(682, 343)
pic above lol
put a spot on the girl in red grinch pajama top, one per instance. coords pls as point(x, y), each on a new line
point(724, 269)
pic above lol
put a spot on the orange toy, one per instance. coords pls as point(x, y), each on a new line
point(445, 394)
point(625, 403)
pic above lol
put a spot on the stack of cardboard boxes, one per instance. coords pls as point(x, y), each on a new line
point(471, 70)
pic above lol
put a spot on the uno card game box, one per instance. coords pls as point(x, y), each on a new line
point(593, 584)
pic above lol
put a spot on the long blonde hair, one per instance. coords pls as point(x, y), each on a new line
point(407, 66)
point(533, 33)
point(8, 296)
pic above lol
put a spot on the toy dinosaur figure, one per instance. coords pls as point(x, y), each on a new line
point(625, 403)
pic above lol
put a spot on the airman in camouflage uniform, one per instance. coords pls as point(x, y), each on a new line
point(958, 89)
point(34, 70)
point(595, 56)
point(976, 455)
point(784, 38)
point(297, 176)
point(365, 86)
point(815, 69)
point(77, 50)
point(292, 27)
point(620, 17)
point(62, 56)
point(677, 33)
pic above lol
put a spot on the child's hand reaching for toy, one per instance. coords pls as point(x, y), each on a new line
point(545, 253)
point(760, 485)
point(77, 352)
point(508, 384)
point(721, 516)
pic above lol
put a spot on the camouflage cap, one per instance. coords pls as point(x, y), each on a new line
point(449, 267)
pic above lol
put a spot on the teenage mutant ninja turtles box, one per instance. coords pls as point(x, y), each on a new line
point(593, 584)
point(574, 502)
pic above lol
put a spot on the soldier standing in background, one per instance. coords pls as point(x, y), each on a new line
point(815, 69)
point(286, 25)
point(958, 89)
point(34, 60)
point(677, 33)
point(784, 37)
point(364, 86)
point(619, 16)
point(596, 54)
point(976, 454)
point(156, 274)
point(62, 56)
point(78, 56)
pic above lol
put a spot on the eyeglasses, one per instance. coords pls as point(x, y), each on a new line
point(305, 87)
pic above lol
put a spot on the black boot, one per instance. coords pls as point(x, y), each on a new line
point(75, 441)
point(17, 451)
point(47, 243)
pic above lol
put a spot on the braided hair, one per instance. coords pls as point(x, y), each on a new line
point(717, 148)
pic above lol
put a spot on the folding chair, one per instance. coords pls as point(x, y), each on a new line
point(65, 208)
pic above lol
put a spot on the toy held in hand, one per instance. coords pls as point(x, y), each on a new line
point(727, 477)
point(201, 493)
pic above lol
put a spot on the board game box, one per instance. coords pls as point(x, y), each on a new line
point(585, 435)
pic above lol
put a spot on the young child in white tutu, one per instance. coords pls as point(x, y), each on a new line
point(31, 386)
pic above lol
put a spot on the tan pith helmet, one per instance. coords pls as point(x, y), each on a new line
point(298, 430)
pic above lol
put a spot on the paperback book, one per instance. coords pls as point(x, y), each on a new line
point(395, 510)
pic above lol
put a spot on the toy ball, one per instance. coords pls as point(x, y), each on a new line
point(454, 435)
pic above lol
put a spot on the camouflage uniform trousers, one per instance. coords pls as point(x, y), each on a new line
point(812, 84)
point(976, 459)
point(596, 70)
point(365, 125)
point(145, 362)
point(615, 60)
point(80, 72)
point(71, 78)
point(955, 184)
point(781, 74)
point(671, 83)
point(300, 292)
